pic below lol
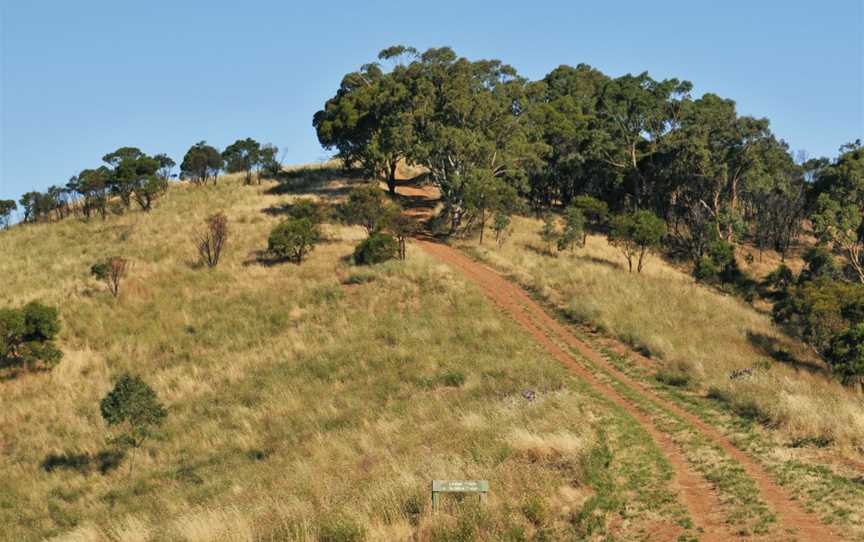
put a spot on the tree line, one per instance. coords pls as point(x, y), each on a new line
point(129, 177)
point(686, 175)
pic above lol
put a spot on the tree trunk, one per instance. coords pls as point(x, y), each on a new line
point(391, 178)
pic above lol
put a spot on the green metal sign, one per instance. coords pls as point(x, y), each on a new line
point(481, 487)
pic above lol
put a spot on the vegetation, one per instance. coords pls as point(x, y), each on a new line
point(636, 234)
point(211, 239)
point(7, 207)
point(266, 370)
point(377, 248)
point(112, 271)
point(27, 336)
point(201, 162)
point(132, 405)
point(293, 239)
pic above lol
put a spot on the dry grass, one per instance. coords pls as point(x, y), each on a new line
point(664, 312)
point(300, 406)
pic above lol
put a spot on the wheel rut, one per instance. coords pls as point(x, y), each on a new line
point(698, 496)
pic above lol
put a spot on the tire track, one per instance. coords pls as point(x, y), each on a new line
point(701, 501)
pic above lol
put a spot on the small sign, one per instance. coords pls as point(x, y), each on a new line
point(481, 487)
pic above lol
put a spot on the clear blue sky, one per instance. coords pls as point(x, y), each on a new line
point(81, 78)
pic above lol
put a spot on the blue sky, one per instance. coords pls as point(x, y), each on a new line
point(81, 78)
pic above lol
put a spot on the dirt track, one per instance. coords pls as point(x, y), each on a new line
point(700, 499)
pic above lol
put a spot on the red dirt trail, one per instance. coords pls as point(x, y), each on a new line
point(697, 495)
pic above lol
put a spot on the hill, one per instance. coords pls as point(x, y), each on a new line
point(318, 401)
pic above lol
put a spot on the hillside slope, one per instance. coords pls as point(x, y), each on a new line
point(304, 402)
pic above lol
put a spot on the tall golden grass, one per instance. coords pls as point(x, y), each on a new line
point(304, 401)
point(689, 327)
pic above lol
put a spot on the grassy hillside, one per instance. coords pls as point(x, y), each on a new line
point(695, 330)
point(305, 402)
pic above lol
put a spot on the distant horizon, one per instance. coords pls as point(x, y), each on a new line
point(70, 93)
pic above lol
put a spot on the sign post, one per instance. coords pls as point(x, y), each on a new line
point(481, 487)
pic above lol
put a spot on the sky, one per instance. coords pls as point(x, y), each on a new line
point(80, 79)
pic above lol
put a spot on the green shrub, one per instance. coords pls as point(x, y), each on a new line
point(27, 336)
point(377, 248)
point(846, 355)
point(293, 239)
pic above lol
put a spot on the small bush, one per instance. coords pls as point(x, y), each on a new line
point(27, 336)
point(377, 248)
point(210, 240)
point(293, 239)
point(112, 271)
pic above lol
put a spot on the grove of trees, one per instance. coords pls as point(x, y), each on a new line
point(640, 159)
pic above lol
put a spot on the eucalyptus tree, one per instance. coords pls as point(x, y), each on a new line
point(200, 163)
point(7, 207)
point(370, 119)
point(714, 152)
point(242, 156)
point(838, 217)
point(166, 165)
point(131, 171)
point(635, 113)
point(92, 185)
point(472, 125)
point(567, 114)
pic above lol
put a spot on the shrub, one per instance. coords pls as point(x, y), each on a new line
point(367, 207)
point(111, 271)
point(308, 208)
point(134, 405)
point(210, 240)
point(673, 377)
point(846, 355)
point(574, 229)
point(377, 248)
point(499, 225)
point(549, 232)
point(27, 336)
point(293, 239)
point(636, 234)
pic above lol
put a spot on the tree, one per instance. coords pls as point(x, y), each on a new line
point(267, 163)
point(166, 165)
point(846, 355)
point(27, 336)
point(133, 406)
point(7, 207)
point(403, 227)
point(370, 119)
point(472, 125)
point(839, 210)
point(635, 234)
point(200, 163)
point(244, 155)
point(367, 207)
point(210, 240)
point(549, 232)
point(37, 206)
point(112, 271)
point(634, 114)
point(594, 210)
point(134, 172)
point(92, 184)
point(500, 223)
point(574, 229)
point(819, 309)
point(484, 197)
point(293, 239)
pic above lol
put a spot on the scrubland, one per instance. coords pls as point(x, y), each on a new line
point(696, 335)
point(311, 402)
